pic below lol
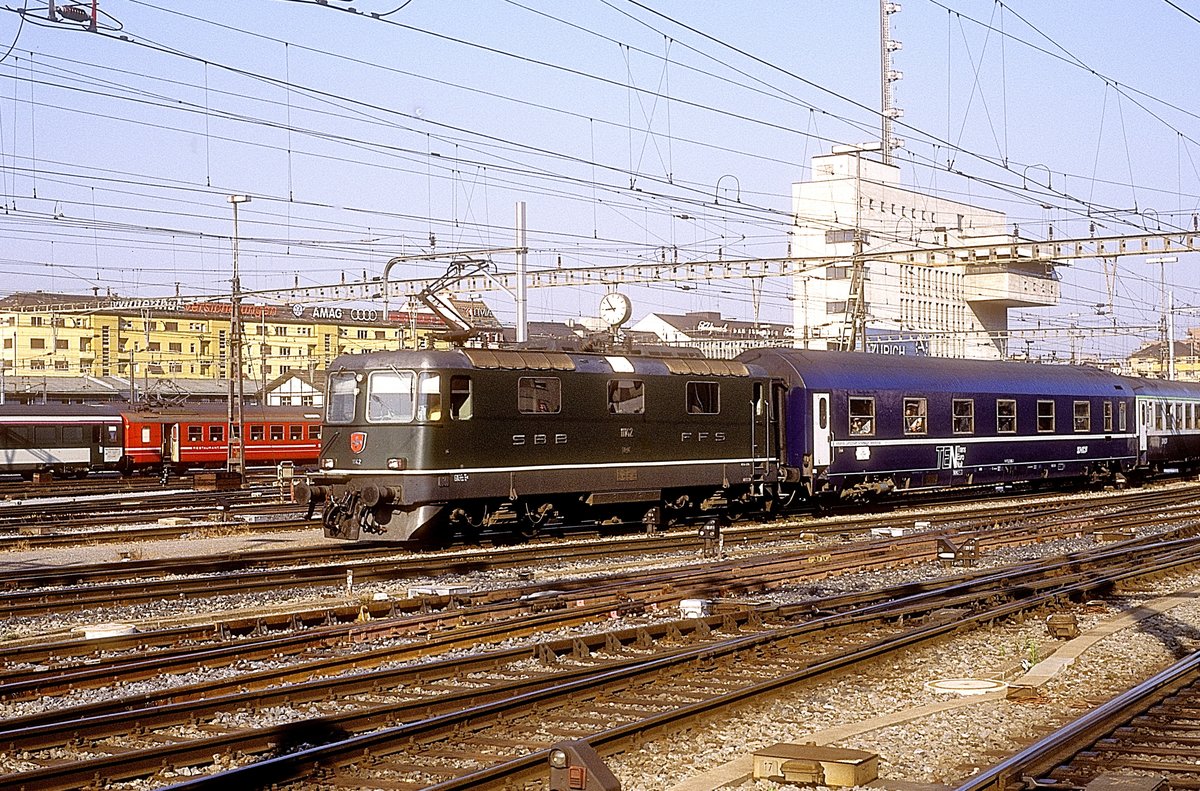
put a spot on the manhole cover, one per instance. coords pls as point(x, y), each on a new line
point(966, 686)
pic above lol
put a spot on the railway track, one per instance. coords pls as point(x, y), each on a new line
point(1147, 733)
point(487, 718)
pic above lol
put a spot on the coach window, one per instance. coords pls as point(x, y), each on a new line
point(256, 432)
point(314, 432)
point(145, 435)
point(1045, 415)
point(538, 394)
point(216, 433)
point(295, 432)
point(862, 417)
point(235, 431)
point(45, 436)
point(276, 433)
point(1083, 416)
point(390, 396)
point(915, 412)
point(1107, 416)
point(1122, 421)
point(429, 396)
point(195, 433)
point(703, 398)
point(460, 398)
point(626, 396)
point(343, 389)
point(1006, 416)
point(1158, 416)
point(964, 416)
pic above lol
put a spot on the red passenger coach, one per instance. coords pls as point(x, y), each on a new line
point(198, 437)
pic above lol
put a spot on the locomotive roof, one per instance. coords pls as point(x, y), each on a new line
point(862, 371)
point(531, 360)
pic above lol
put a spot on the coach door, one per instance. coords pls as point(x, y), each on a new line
point(173, 445)
point(820, 424)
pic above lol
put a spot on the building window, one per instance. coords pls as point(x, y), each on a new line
point(915, 413)
point(37, 365)
point(36, 321)
point(964, 415)
point(171, 326)
point(37, 343)
point(1006, 416)
point(626, 396)
point(175, 348)
point(862, 417)
point(62, 343)
point(539, 394)
point(1045, 416)
point(834, 307)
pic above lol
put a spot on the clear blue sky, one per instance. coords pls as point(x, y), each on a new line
point(631, 129)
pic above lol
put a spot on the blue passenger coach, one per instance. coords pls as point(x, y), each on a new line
point(863, 425)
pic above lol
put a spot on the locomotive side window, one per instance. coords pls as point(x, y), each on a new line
point(1045, 416)
point(915, 412)
point(703, 398)
point(626, 396)
point(343, 388)
point(538, 394)
point(429, 393)
point(862, 417)
point(390, 396)
point(1121, 417)
point(1108, 424)
point(460, 398)
point(1083, 416)
point(1006, 416)
point(216, 433)
point(256, 432)
point(195, 433)
point(964, 415)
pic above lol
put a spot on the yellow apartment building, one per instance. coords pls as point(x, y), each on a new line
point(44, 334)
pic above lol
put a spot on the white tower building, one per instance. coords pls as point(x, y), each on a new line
point(855, 212)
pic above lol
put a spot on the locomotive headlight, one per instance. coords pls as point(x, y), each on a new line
point(397, 464)
point(327, 464)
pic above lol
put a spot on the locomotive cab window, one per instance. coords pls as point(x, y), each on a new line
point(343, 389)
point(703, 398)
point(862, 417)
point(460, 398)
point(1045, 417)
point(390, 396)
point(538, 394)
point(429, 396)
point(964, 415)
point(626, 396)
point(1006, 416)
point(1083, 416)
point(915, 414)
